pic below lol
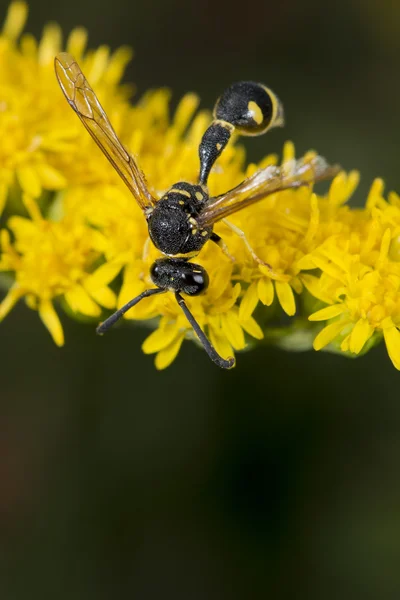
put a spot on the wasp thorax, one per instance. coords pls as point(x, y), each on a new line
point(251, 107)
point(178, 275)
point(172, 223)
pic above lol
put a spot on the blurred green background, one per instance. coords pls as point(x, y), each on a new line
point(279, 479)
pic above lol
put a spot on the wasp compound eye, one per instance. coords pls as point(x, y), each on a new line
point(251, 107)
point(194, 280)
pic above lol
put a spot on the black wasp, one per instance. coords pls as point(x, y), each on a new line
point(182, 220)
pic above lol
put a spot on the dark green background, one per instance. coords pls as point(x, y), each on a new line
point(280, 479)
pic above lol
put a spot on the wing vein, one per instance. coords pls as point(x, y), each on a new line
point(86, 105)
point(265, 182)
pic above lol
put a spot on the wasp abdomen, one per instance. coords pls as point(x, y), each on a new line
point(251, 107)
point(248, 107)
point(212, 144)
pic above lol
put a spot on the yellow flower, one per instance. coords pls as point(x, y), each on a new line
point(361, 280)
point(283, 229)
point(41, 138)
point(53, 260)
point(344, 262)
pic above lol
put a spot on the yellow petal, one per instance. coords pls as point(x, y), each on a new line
point(9, 301)
point(329, 268)
point(328, 334)
point(360, 334)
point(288, 152)
point(314, 219)
point(117, 64)
point(329, 312)
point(342, 187)
point(15, 20)
point(285, 297)
point(49, 44)
point(392, 340)
point(249, 302)
point(306, 262)
point(345, 345)
point(51, 321)
point(29, 181)
point(375, 192)
point(220, 343)
point(166, 356)
point(144, 309)
point(130, 290)
point(313, 285)
point(22, 228)
point(265, 290)
point(80, 301)
point(228, 302)
point(185, 111)
point(32, 208)
point(160, 338)
point(103, 275)
point(76, 43)
point(296, 285)
point(50, 178)
point(384, 249)
point(99, 64)
point(3, 196)
point(353, 180)
point(105, 297)
point(232, 329)
point(252, 327)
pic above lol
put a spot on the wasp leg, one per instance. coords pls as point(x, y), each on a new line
point(105, 326)
point(273, 274)
point(145, 255)
point(224, 363)
point(146, 249)
point(214, 237)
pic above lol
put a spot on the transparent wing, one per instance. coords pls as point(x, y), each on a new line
point(84, 102)
point(264, 182)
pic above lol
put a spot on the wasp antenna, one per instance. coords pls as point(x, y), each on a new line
point(105, 326)
point(208, 347)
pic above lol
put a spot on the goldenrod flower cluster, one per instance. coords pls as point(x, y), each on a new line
point(73, 235)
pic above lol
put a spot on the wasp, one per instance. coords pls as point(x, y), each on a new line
point(182, 220)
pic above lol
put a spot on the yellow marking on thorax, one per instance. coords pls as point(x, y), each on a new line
point(224, 124)
point(181, 192)
point(199, 196)
point(187, 255)
point(256, 112)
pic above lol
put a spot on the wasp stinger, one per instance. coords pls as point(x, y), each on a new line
point(182, 220)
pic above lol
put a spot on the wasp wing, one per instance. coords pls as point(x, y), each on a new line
point(84, 102)
point(262, 183)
